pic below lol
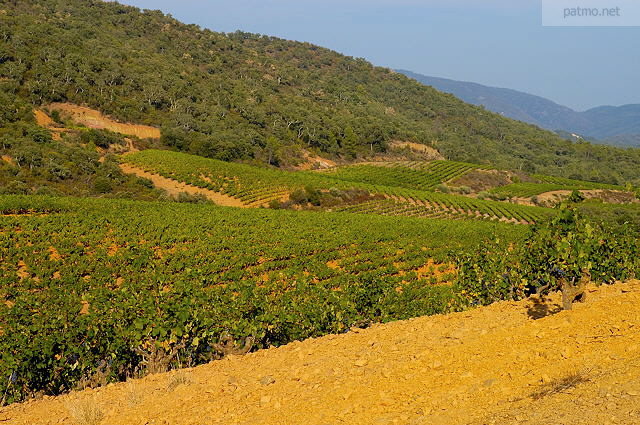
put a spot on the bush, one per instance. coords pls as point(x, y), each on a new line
point(40, 135)
point(103, 185)
point(299, 197)
point(463, 190)
point(55, 116)
point(575, 197)
point(313, 196)
point(145, 182)
point(492, 196)
point(15, 187)
point(48, 191)
point(58, 171)
point(442, 188)
point(275, 204)
point(196, 198)
point(102, 138)
point(558, 255)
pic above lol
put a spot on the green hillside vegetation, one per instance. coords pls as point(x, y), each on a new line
point(614, 215)
point(581, 184)
point(257, 98)
point(549, 184)
point(257, 186)
point(98, 286)
point(33, 162)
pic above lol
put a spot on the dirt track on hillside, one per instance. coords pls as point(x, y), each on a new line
point(174, 188)
point(495, 365)
point(95, 119)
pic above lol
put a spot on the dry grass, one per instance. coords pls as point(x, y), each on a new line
point(133, 395)
point(86, 412)
point(178, 379)
point(561, 385)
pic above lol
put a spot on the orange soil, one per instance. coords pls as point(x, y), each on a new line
point(503, 364)
point(333, 264)
point(95, 119)
point(417, 147)
point(431, 269)
point(174, 188)
point(8, 159)
point(43, 120)
point(314, 162)
point(54, 255)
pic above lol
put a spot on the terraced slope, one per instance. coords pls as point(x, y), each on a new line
point(256, 186)
point(510, 363)
point(417, 175)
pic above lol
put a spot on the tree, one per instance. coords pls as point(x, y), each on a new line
point(350, 143)
point(272, 148)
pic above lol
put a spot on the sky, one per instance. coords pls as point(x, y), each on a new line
point(499, 43)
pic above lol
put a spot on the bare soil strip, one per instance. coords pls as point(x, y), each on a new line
point(95, 119)
point(510, 363)
point(174, 188)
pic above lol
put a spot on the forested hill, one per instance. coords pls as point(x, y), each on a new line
point(243, 96)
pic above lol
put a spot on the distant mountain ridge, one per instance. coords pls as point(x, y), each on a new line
point(615, 124)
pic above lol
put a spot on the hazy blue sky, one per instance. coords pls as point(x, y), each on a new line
point(495, 42)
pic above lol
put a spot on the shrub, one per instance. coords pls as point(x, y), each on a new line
point(299, 197)
point(313, 195)
point(464, 190)
point(275, 204)
point(102, 138)
point(558, 255)
point(55, 116)
point(40, 135)
point(15, 187)
point(48, 191)
point(103, 185)
point(145, 182)
point(195, 198)
point(575, 197)
point(442, 188)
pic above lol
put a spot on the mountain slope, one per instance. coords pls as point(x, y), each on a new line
point(257, 98)
point(606, 122)
point(509, 103)
point(506, 363)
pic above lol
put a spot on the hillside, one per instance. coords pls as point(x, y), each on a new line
point(621, 121)
point(619, 125)
point(385, 189)
point(91, 289)
point(254, 98)
point(510, 363)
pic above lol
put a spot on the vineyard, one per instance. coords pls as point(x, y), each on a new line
point(90, 287)
point(415, 176)
point(254, 186)
point(437, 205)
point(257, 186)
